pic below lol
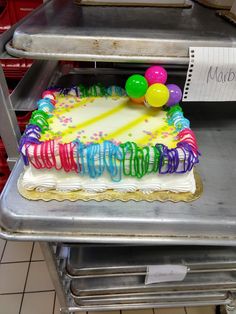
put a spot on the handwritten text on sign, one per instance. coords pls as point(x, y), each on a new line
point(211, 75)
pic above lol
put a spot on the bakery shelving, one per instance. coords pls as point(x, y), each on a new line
point(66, 31)
point(211, 220)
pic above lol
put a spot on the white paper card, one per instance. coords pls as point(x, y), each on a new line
point(165, 273)
point(211, 74)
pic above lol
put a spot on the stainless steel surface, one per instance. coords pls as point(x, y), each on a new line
point(9, 129)
point(211, 220)
point(158, 298)
point(29, 89)
point(54, 272)
point(187, 303)
point(7, 35)
point(64, 30)
point(92, 261)
point(224, 281)
point(142, 3)
point(145, 294)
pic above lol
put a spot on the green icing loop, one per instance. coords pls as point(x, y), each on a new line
point(174, 109)
point(97, 90)
point(138, 160)
point(39, 118)
point(156, 161)
point(127, 153)
point(83, 91)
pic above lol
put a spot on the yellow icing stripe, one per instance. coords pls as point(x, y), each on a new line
point(127, 127)
point(96, 119)
point(171, 142)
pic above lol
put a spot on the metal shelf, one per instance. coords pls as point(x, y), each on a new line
point(133, 260)
point(211, 220)
point(28, 91)
point(63, 30)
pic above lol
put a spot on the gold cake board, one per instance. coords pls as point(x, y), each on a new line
point(111, 195)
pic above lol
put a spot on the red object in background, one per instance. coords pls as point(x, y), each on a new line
point(15, 10)
point(4, 169)
point(23, 119)
point(15, 68)
point(11, 12)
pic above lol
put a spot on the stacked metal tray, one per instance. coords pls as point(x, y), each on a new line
point(119, 281)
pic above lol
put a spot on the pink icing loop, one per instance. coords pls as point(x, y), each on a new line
point(187, 136)
point(68, 162)
point(53, 102)
point(49, 94)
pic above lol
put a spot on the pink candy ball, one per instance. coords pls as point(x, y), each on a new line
point(156, 74)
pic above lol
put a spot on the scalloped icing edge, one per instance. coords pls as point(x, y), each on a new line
point(111, 195)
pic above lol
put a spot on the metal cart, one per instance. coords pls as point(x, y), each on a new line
point(76, 236)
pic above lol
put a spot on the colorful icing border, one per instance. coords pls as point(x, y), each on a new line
point(92, 160)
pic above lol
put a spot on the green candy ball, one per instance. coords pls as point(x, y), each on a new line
point(136, 86)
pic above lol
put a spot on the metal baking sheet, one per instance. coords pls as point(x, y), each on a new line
point(63, 30)
point(217, 4)
point(90, 261)
point(223, 299)
point(158, 298)
point(142, 3)
point(137, 306)
point(135, 284)
point(211, 220)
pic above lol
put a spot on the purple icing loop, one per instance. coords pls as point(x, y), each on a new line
point(31, 136)
point(190, 158)
point(170, 160)
point(65, 91)
point(32, 129)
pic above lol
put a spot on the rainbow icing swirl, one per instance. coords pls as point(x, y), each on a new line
point(93, 159)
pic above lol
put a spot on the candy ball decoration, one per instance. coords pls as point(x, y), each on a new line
point(156, 74)
point(136, 86)
point(139, 100)
point(175, 94)
point(157, 95)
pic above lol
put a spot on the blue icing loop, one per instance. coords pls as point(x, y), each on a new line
point(80, 147)
point(45, 105)
point(177, 118)
point(95, 162)
point(111, 155)
point(94, 159)
point(116, 91)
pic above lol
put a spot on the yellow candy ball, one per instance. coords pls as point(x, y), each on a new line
point(157, 95)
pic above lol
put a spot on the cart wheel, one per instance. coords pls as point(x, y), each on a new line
point(63, 311)
point(230, 309)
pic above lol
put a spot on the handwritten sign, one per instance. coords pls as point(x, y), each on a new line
point(211, 75)
point(165, 273)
